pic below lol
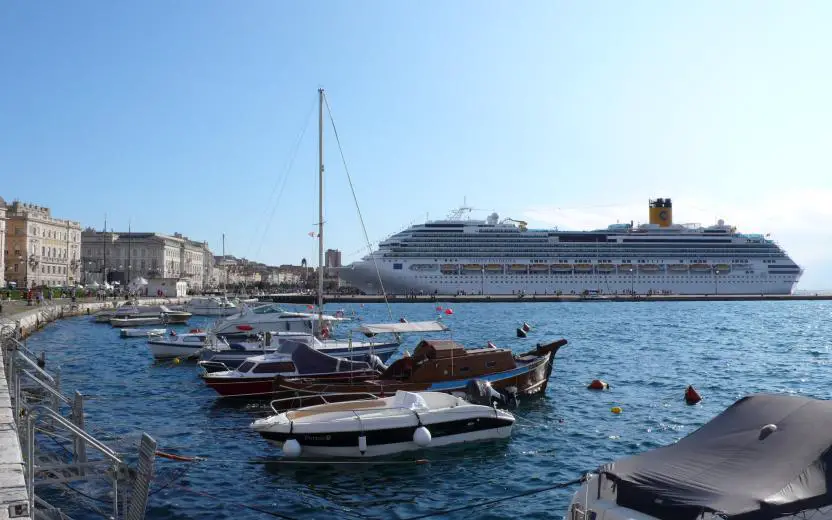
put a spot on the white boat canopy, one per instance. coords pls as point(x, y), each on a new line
point(414, 326)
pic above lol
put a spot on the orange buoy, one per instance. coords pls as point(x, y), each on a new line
point(597, 384)
point(449, 311)
point(692, 396)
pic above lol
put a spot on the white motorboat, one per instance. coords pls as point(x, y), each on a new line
point(765, 457)
point(164, 317)
point(271, 317)
point(173, 345)
point(212, 306)
point(141, 333)
point(220, 354)
point(103, 316)
point(376, 427)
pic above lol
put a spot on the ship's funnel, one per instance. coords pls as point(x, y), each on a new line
point(661, 212)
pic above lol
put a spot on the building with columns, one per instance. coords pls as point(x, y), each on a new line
point(39, 249)
point(123, 257)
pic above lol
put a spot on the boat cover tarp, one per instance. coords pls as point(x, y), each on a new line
point(731, 468)
point(414, 326)
point(310, 361)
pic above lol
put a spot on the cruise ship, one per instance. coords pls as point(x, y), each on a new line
point(496, 256)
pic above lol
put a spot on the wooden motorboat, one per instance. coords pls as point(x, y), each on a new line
point(445, 366)
point(383, 426)
point(141, 333)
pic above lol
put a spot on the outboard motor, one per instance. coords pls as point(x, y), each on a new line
point(375, 362)
point(480, 392)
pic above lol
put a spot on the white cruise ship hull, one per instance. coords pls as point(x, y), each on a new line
point(491, 257)
point(363, 276)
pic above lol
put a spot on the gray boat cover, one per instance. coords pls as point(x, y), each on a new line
point(310, 361)
point(732, 467)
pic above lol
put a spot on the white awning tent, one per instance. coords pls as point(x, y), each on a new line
point(139, 281)
point(399, 328)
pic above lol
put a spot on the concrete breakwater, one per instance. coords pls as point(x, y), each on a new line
point(30, 320)
point(15, 496)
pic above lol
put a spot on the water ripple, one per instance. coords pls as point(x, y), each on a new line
point(648, 352)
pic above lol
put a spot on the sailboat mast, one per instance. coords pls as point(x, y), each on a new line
point(104, 267)
point(320, 201)
point(224, 267)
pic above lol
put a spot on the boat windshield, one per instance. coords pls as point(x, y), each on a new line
point(245, 367)
point(267, 309)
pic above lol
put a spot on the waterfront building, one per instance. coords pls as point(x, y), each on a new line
point(122, 257)
point(3, 248)
point(40, 249)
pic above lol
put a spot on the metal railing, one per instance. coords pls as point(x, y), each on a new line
point(42, 410)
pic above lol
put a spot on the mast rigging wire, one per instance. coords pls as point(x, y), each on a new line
point(357, 207)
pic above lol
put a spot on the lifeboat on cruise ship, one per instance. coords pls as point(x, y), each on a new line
point(722, 268)
point(605, 268)
point(518, 268)
point(700, 268)
point(449, 268)
point(494, 268)
point(472, 268)
point(649, 268)
point(539, 268)
point(561, 268)
point(583, 268)
point(678, 268)
point(423, 267)
point(626, 268)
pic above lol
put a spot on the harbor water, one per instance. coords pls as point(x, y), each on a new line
point(647, 352)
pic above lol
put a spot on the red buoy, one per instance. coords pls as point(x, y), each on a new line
point(449, 312)
point(597, 384)
point(438, 307)
point(526, 327)
point(692, 396)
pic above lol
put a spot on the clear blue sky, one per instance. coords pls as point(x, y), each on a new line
point(182, 116)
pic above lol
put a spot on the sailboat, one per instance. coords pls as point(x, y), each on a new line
point(272, 318)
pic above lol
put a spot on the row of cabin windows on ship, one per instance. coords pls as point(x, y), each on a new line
point(628, 279)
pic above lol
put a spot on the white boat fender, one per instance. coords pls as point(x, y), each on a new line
point(421, 436)
point(292, 448)
point(362, 443)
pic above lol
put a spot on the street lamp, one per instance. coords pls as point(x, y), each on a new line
point(716, 281)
